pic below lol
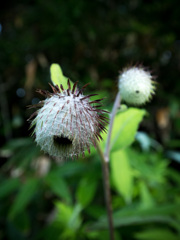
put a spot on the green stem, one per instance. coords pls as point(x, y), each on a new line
point(113, 114)
point(105, 167)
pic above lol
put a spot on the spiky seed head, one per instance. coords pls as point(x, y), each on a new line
point(67, 122)
point(136, 85)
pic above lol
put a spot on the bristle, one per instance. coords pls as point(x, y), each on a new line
point(61, 86)
point(74, 87)
point(97, 106)
point(81, 90)
point(45, 93)
point(88, 96)
point(85, 86)
point(96, 101)
point(68, 92)
point(69, 85)
point(53, 88)
point(58, 89)
point(88, 148)
point(37, 105)
point(32, 116)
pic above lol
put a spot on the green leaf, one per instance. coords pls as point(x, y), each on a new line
point(75, 219)
point(57, 76)
point(146, 198)
point(102, 235)
point(86, 191)
point(134, 215)
point(8, 186)
point(156, 234)
point(68, 217)
point(151, 167)
point(58, 186)
point(25, 195)
point(133, 220)
point(64, 213)
point(125, 127)
point(71, 168)
point(19, 148)
point(16, 143)
point(122, 174)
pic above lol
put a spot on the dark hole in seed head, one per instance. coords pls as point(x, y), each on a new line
point(137, 91)
point(62, 141)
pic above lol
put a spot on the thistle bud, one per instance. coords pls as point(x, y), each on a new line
point(67, 122)
point(136, 86)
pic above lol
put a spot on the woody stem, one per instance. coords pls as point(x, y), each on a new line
point(107, 192)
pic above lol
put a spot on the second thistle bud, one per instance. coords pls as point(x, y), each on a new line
point(136, 86)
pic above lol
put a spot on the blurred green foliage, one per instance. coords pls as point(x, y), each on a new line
point(92, 41)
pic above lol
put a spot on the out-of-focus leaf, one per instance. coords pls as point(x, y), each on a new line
point(71, 168)
point(146, 142)
point(146, 198)
point(22, 151)
point(125, 126)
point(86, 191)
point(157, 234)
point(26, 193)
point(133, 220)
point(174, 176)
point(57, 76)
point(122, 174)
point(50, 232)
point(75, 220)
point(151, 167)
point(8, 186)
point(69, 218)
point(22, 221)
point(23, 156)
point(59, 186)
point(95, 211)
point(64, 213)
point(175, 155)
point(102, 235)
point(17, 143)
point(134, 216)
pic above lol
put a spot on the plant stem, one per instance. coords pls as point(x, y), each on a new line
point(113, 114)
point(107, 192)
point(105, 167)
